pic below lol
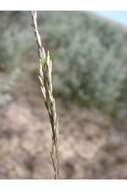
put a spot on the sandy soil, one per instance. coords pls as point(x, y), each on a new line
point(90, 146)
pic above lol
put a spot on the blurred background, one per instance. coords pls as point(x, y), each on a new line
point(89, 52)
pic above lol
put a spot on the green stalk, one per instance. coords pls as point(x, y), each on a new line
point(45, 77)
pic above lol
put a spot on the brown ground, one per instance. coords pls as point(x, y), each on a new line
point(90, 147)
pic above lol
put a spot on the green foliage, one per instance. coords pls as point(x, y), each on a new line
point(87, 51)
point(13, 35)
point(90, 57)
point(6, 84)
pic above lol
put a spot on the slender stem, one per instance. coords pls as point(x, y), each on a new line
point(45, 77)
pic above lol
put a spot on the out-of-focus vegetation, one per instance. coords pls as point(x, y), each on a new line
point(89, 55)
point(13, 35)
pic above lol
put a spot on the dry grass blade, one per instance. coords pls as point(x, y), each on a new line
point(45, 78)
